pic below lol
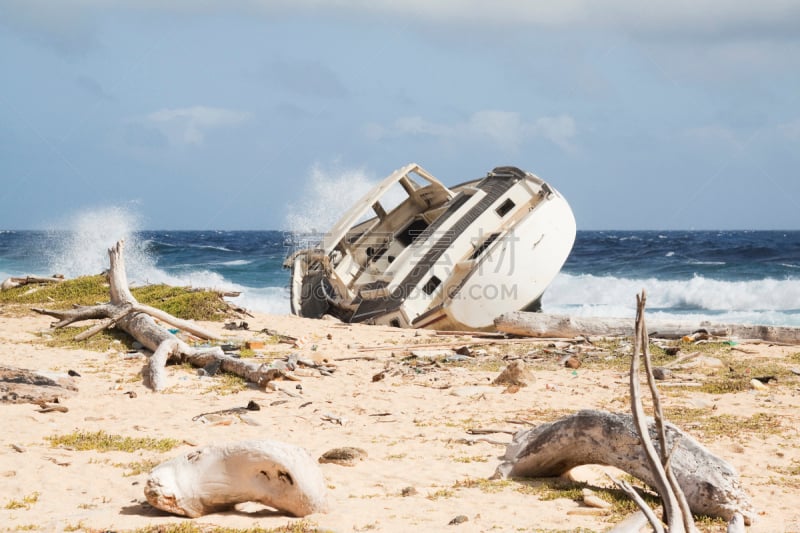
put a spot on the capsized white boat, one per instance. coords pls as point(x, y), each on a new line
point(439, 257)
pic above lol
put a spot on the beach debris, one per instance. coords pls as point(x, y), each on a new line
point(516, 373)
point(662, 373)
point(280, 337)
point(765, 379)
point(572, 362)
point(45, 408)
point(20, 385)
point(460, 519)
point(215, 478)
point(324, 368)
point(488, 431)
point(409, 491)
point(17, 448)
point(543, 325)
point(14, 282)
point(346, 456)
point(591, 499)
point(757, 384)
point(277, 388)
point(340, 420)
point(234, 325)
point(251, 406)
point(432, 354)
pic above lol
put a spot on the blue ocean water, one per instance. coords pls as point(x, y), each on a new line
point(726, 276)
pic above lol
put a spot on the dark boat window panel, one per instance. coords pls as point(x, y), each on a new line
point(505, 207)
point(411, 232)
point(484, 245)
point(431, 285)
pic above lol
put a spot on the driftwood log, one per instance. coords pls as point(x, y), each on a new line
point(19, 385)
point(215, 478)
point(127, 314)
point(561, 326)
point(12, 283)
point(710, 483)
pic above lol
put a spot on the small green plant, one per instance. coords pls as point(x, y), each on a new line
point(396, 457)
point(180, 302)
point(24, 503)
point(488, 486)
point(102, 441)
point(471, 459)
point(100, 342)
point(183, 303)
point(225, 383)
point(137, 467)
point(725, 425)
point(441, 493)
point(297, 526)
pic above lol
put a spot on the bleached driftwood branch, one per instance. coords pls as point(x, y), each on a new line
point(676, 509)
point(215, 478)
point(549, 326)
point(126, 313)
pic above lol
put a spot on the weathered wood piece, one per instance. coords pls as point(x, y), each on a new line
point(711, 484)
point(215, 478)
point(676, 509)
point(11, 283)
point(19, 385)
point(545, 325)
point(126, 313)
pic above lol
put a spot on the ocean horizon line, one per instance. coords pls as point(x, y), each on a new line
point(606, 230)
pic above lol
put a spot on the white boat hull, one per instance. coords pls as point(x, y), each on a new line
point(444, 259)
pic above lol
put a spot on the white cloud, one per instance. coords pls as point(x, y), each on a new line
point(189, 125)
point(505, 129)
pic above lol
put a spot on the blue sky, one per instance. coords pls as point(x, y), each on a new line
point(220, 115)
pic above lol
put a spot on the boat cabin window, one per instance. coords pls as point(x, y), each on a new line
point(505, 207)
point(410, 233)
point(432, 284)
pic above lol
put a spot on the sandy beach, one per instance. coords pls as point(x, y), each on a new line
point(412, 414)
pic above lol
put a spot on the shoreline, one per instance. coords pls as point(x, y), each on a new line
point(412, 423)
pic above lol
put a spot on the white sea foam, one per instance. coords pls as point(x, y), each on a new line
point(766, 301)
point(327, 194)
point(83, 249)
point(274, 300)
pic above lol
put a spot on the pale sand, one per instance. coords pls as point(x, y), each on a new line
point(410, 423)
